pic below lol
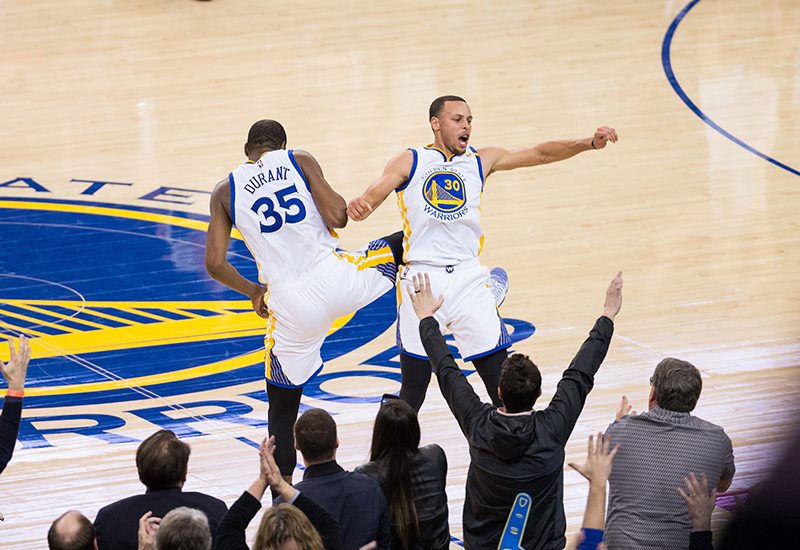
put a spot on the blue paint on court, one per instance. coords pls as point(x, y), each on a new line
point(666, 62)
point(69, 255)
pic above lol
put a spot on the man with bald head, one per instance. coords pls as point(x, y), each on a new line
point(71, 531)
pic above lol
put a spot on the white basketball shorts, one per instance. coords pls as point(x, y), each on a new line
point(469, 310)
point(301, 314)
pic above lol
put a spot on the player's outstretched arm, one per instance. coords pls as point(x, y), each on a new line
point(217, 240)
point(394, 175)
point(495, 159)
point(330, 204)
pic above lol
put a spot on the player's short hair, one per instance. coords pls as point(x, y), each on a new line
point(315, 435)
point(184, 529)
point(266, 133)
point(438, 104)
point(77, 537)
point(678, 385)
point(162, 460)
point(520, 383)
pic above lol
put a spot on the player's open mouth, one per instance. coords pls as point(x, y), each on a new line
point(462, 140)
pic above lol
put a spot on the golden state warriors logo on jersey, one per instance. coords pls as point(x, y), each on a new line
point(445, 194)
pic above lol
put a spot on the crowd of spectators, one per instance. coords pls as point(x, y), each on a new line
point(663, 467)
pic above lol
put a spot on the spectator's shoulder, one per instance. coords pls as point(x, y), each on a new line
point(119, 506)
point(433, 452)
point(368, 468)
point(211, 502)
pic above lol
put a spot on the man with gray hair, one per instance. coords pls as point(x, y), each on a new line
point(657, 450)
point(183, 529)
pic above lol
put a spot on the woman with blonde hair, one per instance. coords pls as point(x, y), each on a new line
point(284, 527)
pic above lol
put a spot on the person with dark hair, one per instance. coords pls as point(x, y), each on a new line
point(658, 449)
point(298, 519)
point(162, 461)
point(71, 531)
point(514, 449)
point(14, 373)
point(413, 479)
point(439, 189)
point(353, 499)
point(287, 213)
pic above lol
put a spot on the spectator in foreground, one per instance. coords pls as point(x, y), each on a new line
point(354, 500)
point(181, 529)
point(658, 449)
point(162, 461)
point(14, 373)
point(513, 448)
point(71, 531)
point(298, 520)
point(412, 478)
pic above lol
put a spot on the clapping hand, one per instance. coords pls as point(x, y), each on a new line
point(148, 527)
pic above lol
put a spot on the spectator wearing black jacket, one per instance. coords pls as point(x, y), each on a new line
point(514, 449)
point(162, 461)
point(412, 478)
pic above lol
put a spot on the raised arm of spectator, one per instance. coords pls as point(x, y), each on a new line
point(14, 373)
point(596, 469)
point(578, 380)
point(701, 505)
point(457, 391)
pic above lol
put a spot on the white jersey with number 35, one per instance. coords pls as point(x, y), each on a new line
point(440, 206)
point(272, 206)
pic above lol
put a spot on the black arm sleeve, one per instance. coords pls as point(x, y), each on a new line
point(577, 381)
point(319, 517)
point(231, 529)
point(457, 391)
point(9, 429)
point(701, 540)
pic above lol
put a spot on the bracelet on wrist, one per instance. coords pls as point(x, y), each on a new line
point(593, 145)
point(15, 393)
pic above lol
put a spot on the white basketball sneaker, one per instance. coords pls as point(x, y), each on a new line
point(498, 281)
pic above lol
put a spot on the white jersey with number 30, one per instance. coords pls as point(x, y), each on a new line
point(440, 205)
point(272, 206)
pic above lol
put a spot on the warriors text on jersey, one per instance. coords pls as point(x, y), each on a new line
point(272, 206)
point(440, 205)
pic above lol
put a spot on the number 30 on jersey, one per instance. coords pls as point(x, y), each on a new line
point(293, 209)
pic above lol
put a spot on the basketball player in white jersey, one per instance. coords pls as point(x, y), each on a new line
point(439, 191)
point(286, 212)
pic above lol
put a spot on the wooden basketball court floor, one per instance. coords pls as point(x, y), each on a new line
point(119, 117)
